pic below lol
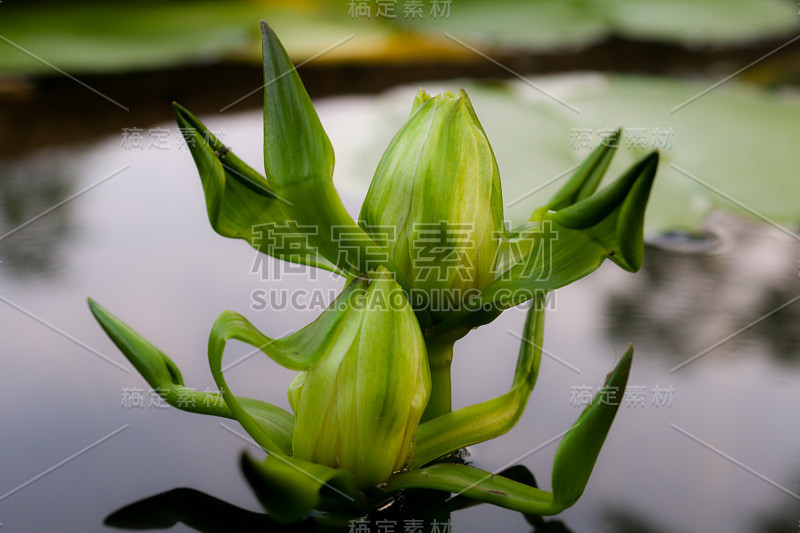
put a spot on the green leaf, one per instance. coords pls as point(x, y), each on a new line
point(548, 24)
point(290, 488)
point(477, 423)
point(165, 379)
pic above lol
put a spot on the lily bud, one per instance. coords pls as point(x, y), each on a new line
point(435, 202)
point(359, 406)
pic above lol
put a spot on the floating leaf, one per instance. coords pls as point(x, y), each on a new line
point(734, 141)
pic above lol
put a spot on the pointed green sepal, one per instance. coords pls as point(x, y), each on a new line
point(165, 379)
point(563, 246)
point(578, 451)
point(296, 147)
point(304, 222)
point(574, 461)
point(241, 203)
point(615, 215)
point(584, 182)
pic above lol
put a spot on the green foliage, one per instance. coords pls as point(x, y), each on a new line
point(109, 37)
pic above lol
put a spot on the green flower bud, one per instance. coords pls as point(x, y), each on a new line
point(358, 407)
point(435, 202)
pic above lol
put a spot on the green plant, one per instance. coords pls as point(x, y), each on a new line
point(372, 411)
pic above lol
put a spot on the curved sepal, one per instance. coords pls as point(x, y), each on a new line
point(574, 461)
point(560, 247)
point(578, 451)
point(231, 325)
point(477, 423)
point(614, 217)
point(478, 485)
point(298, 351)
point(584, 182)
point(303, 222)
point(165, 379)
point(290, 488)
point(296, 147)
point(611, 220)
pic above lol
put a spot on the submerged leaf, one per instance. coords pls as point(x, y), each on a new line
point(290, 488)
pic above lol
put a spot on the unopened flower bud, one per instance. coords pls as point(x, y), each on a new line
point(435, 201)
point(359, 406)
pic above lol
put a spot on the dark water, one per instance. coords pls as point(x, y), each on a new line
point(709, 442)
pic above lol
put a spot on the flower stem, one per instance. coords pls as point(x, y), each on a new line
point(440, 356)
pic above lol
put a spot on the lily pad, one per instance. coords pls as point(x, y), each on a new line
point(110, 37)
point(729, 148)
point(554, 23)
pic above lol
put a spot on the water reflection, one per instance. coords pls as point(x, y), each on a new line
point(28, 188)
point(780, 520)
point(413, 510)
point(682, 303)
point(686, 299)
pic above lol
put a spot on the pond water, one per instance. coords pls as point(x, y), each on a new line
point(707, 443)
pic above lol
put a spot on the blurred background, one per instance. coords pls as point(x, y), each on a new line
point(99, 197)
